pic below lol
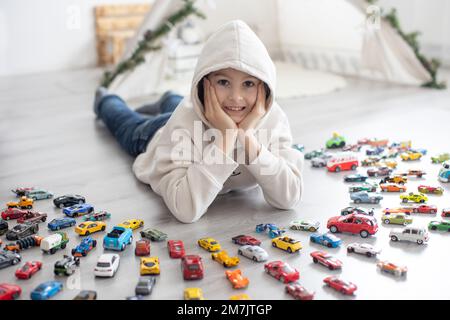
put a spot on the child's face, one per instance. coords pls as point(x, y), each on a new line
point(236, 92)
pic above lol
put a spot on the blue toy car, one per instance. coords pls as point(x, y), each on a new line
point(299, 147)
point(118, 239)
point(326, 239)
point(61, 223)
point(357, 177)
point(78, 210)
point(444, 172)
point(374, 151)
point(366, 197)
point(272, 230)
point(86, 245)
point(46, 290)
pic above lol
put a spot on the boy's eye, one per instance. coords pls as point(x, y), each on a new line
point(223, 82)
point(249, 84)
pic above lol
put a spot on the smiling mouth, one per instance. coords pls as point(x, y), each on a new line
point(235, 109)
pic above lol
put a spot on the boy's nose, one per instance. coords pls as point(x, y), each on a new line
point(235, 96)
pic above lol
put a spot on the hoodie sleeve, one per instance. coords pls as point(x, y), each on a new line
point(278, 169)
point(188, 187)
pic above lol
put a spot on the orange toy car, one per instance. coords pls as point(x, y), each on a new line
point(378, 143)
point(236, 279)
point(392, 187)
point(404, 210)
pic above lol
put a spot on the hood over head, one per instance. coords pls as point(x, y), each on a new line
point(234, 45)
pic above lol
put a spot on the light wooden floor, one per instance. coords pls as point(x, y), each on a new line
point(48, 138)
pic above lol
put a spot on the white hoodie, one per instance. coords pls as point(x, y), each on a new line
point(189, 185)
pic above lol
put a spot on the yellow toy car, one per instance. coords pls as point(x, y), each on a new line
point(209, 244)
point(390, 163)
point(411, 155)
point(241, 296)
point(223, 258)
point(132, 224)
point(150, 265)
point(288, 244)
point(24, 203)
point(193, 294)
point(415, 197)
point(88, 227)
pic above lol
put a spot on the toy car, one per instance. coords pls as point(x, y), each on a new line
point(411, 155)
point(28, 269)
point(145, 286)
point(176, 249)
point(3, 227)
point(357, 177)
point(209, 244)
point(313, 154)
point(153, 234)
point(352, 147)
point(391, 268)
point(86, 245)
point(133, 224)
point(377, 142)
point(374, 151)
point(336, 141)
point(46, 290)
point(363, 248)
point(363, 187)
point(54, 242)
point(299, 147)
point(405, 210)
point(396, 218)
point(86, 295)
point(445, 212)
point(9, 291)
point(394, 179)
point(287, 244)
point(241, 296)
point(353, 223)
point(389, 163)
point(118, 239)
point(193, 294)
point(32, 217)
point(88, 227)
point(38, 194)
point(21, 231)
point(272, 230)
point(428, 189)
point(392, 187)
point(236, 279)
point(366, 197)
point(415, 197)
point(326, 260)
point(24, 243)
point(61, 223)
point(370, 162)
point(256, 253)
point(380, 171)
point(13, 213)
point(223, 258)
point(22, 191)
point(107, 265)
point(440, 158)
point(192, 267)
point(358, 210)
point(424, 208)
point(78, 210)
point(150, 265)
point(282, 271)
point(413, 172)
point(142, 248)
point(344, 162)
point(8, 258)
point(343, 287)
point(326, 239)
point(439, 225)
point(23, 203)
point(66, 266)
point(243, 240)
point(411, 234)
point(319, 162)
point(299, 292)
point(304, 225)
point(68, 200)
point(444, 172)
point(97, 216)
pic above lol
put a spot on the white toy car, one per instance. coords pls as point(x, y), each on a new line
point(321, 161)
point(107, 265)
point(256, 253)
point(412, 234)
point(363, 248)
point(304, 225)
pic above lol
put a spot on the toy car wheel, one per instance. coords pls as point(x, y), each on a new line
point(357, 200)
point(225, 265)
point(80, 202)
point(315, 260)
point(61, 205)
point(63, 246)
point(422, 201)
point(274, 244)
point(419, 242)
point(15, 261)
point(94, 243)
point(350, 250)
point(123, 247)
point(329, 245)
point(312, 229)
point(240, 252)
point(87, 233)
point(256, 259)
point(103, 228)
point(282, 279)
point(289, 250)
point(84, 253)
point(369, 254)
point(330, 267)
point(353, 167)
point(338, 169)
point(364, 234)
point(334, 229)
point(434, 228)
point(52, 251)
point(73, 251)
point(394, 238)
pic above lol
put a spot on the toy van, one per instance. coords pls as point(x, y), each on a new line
point(342, 162)
point(54, 242)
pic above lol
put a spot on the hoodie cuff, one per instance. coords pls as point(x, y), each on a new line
point(217, 165)
point(265, 164)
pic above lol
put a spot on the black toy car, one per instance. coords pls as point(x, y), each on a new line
point(21, 231)
point(144, 286)
point(66, 266)
point(3, 227)
point(68, 200)
point(357, 210)
point(8, 258)
point(86, 295)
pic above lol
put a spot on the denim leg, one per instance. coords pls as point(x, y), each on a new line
point(170, 103)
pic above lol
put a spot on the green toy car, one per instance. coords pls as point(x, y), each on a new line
point(153, 234)
point(414, 197)
point(440, 158)
point(336, 141)
point(396, 218)
point(314, 154)
point(369, 187)
point(439, 225)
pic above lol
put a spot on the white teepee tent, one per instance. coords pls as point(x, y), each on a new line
point(312, 42)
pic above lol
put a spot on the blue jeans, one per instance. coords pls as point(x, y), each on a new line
point(131, 129)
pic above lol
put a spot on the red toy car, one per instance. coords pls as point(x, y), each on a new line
point(9, 291)
point(353, 223)
point(445, 212)
point(32, 216)
point(342, 163)
point(192, 267)
point(245, 240)
point(340, 285)
point(28, 269)
point(282, 271)
point(176, 249)
point(142, 248)
point(299, 292)
point(13, 213)
point(326, 259)
point(428, 189)
point(423, 208)
point(380, 171)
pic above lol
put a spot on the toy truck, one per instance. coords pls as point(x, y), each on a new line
point(54, 242)
point(118, 238)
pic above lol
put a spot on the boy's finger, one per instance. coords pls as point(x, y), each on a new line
point(206, 93)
